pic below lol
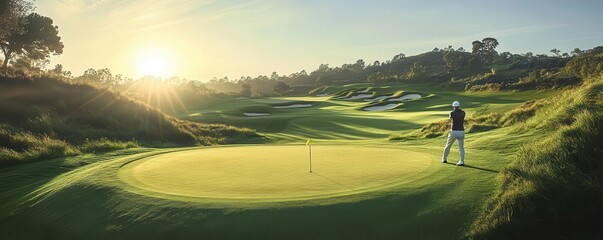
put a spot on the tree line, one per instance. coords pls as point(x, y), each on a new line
point(27, 40)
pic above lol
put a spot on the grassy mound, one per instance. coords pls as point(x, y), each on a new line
point(45, 117)
point(553, 188)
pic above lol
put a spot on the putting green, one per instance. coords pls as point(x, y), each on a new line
point(275, 172)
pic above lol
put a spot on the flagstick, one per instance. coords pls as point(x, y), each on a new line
point(310, 149)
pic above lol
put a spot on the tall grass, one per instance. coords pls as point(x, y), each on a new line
point(20, 146)
point(553, 188)
point(71, 118)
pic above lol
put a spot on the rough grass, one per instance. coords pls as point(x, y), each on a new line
point(480, 123)
point(18, 146)
point(554, 186)
point(56, 118)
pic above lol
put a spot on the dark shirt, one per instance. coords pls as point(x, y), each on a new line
point(458, 117)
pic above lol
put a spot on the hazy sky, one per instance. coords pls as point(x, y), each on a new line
point(206, 38)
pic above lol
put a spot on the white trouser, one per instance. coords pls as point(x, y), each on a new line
point(454, 135)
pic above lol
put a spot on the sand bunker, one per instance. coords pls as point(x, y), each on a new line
point(359, 96)
point(406, 97)
point(376, 99)
point(380, 108)
point(256, 114)
point(294, 106)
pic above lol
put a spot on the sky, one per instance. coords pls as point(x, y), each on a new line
point(202, 39)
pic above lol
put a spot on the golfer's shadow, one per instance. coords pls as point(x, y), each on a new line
point(474, 167)
point(333, 181)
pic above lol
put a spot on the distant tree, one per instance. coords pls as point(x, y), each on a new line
point(280, 88)
point(415, 71)
point(460, 49)
point(37, 41)
point(375, 78)
point(359, 65)
point(565, 55)
point(556, 52)
point(398, 57)
point(484, 51)
point(504, 58)
point(323, 68)
point(322, 81)
point(102, 77)
point(436, 49)
point(245, 90)
point(596, 50)
point(490, 44)
point(477, 47)
point(58, 69)
point(274, 76)
point(576, 52)
point(457, 61)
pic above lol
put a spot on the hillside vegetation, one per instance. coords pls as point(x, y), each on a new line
point(46, 117)
point(553, 187)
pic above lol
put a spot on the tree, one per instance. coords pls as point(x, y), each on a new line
point(322, 81)
point(280, 88)
point(416, 71)
point(37, 41)
point(556, 52)
point(398, 57)
point(576, 52)
point(274, 76)
point(245, 90)
point(359, 65)
point(456, 61)
point(477, 47)
point(375, 78)
point(12, 17)
point(484, 51)
point(489, 45)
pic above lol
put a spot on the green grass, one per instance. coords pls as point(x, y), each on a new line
point(538, 192)
point(136, 193)
point(48, 196)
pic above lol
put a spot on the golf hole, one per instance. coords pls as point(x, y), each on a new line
point(274, 172)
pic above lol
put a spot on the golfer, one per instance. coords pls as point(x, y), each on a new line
point(457, 133)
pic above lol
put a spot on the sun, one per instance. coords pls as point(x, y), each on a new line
point(154, 62)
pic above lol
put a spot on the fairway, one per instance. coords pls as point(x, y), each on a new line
point(275, 172)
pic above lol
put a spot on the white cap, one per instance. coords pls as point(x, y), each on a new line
point(456, 104)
